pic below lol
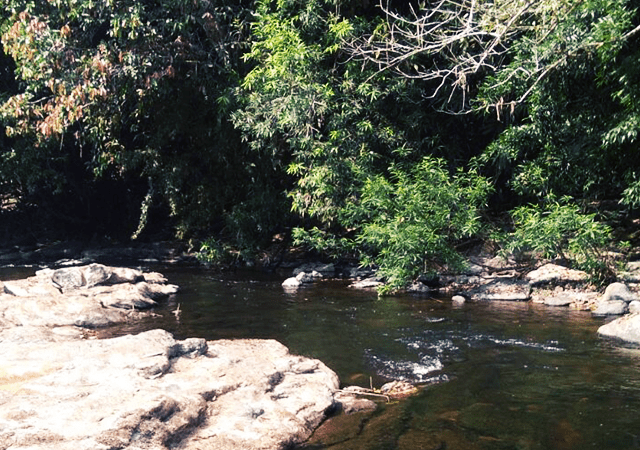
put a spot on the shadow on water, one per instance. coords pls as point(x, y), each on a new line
point(495, 375)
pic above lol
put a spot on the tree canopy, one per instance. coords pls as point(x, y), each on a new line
point(394, 133)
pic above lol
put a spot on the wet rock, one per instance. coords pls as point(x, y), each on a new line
point(351, 402)
point(152, 391)
point(308, 277)
point(626, 328)
point(398, 389)
point(555, 274)
point(459, 299)
point(502, 289)
point(418, 288)
point(368, 283)
point(291, 283)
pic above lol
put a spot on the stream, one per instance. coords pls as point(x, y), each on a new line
point(495, 375)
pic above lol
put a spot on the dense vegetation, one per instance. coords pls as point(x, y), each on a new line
point(392, 133)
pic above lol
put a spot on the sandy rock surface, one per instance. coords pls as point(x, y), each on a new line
point(152, 391)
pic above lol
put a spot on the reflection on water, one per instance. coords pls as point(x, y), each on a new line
point(498, 376)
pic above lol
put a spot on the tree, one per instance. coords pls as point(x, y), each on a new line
point(122, 97)
point(455, 45)
point(355, 147)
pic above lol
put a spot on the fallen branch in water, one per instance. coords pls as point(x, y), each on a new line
point(364, 391)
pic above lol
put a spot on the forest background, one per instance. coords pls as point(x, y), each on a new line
point(399, 133)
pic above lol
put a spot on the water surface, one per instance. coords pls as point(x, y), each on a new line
point(496, 375)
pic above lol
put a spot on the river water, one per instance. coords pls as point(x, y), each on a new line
point(495, 375)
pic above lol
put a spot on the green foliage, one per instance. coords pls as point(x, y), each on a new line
point(123, 94)
point(414, 222)
point(246, 118)
point(560, 230)
point(575, 130)
point(215, 253)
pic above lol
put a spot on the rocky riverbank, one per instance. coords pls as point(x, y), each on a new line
point(61, 389)
point(496, 279)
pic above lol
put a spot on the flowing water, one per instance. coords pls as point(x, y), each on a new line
point(495, 375)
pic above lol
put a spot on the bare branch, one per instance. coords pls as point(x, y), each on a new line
point(451, 42)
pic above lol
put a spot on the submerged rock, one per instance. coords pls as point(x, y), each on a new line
point(367, 283)
point(398, 389)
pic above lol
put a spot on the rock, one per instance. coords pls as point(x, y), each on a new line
point(80, 296)
point(125, 275)
point(68, 278)
point(301, 278)
point(502, 289)
point(418, 287)
point(351, 403)
point(632, 272)
point(474, 269)
point(308, 277)
point(95, 274)
point(558, 301)
point(611, 308)
point(555, 274)
point(562, 296)
point(459, 299)
point(325, 270)
point(368, 283)
point(615, 300)
point(359, 272)
point(291, 283)
point(398, 389)
point(634, 306)
point(618, 291)
point(152, 391)
point(626, 328)
point(494, 263)
point(15, 290)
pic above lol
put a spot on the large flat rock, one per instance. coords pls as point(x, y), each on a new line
point(150, 391)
